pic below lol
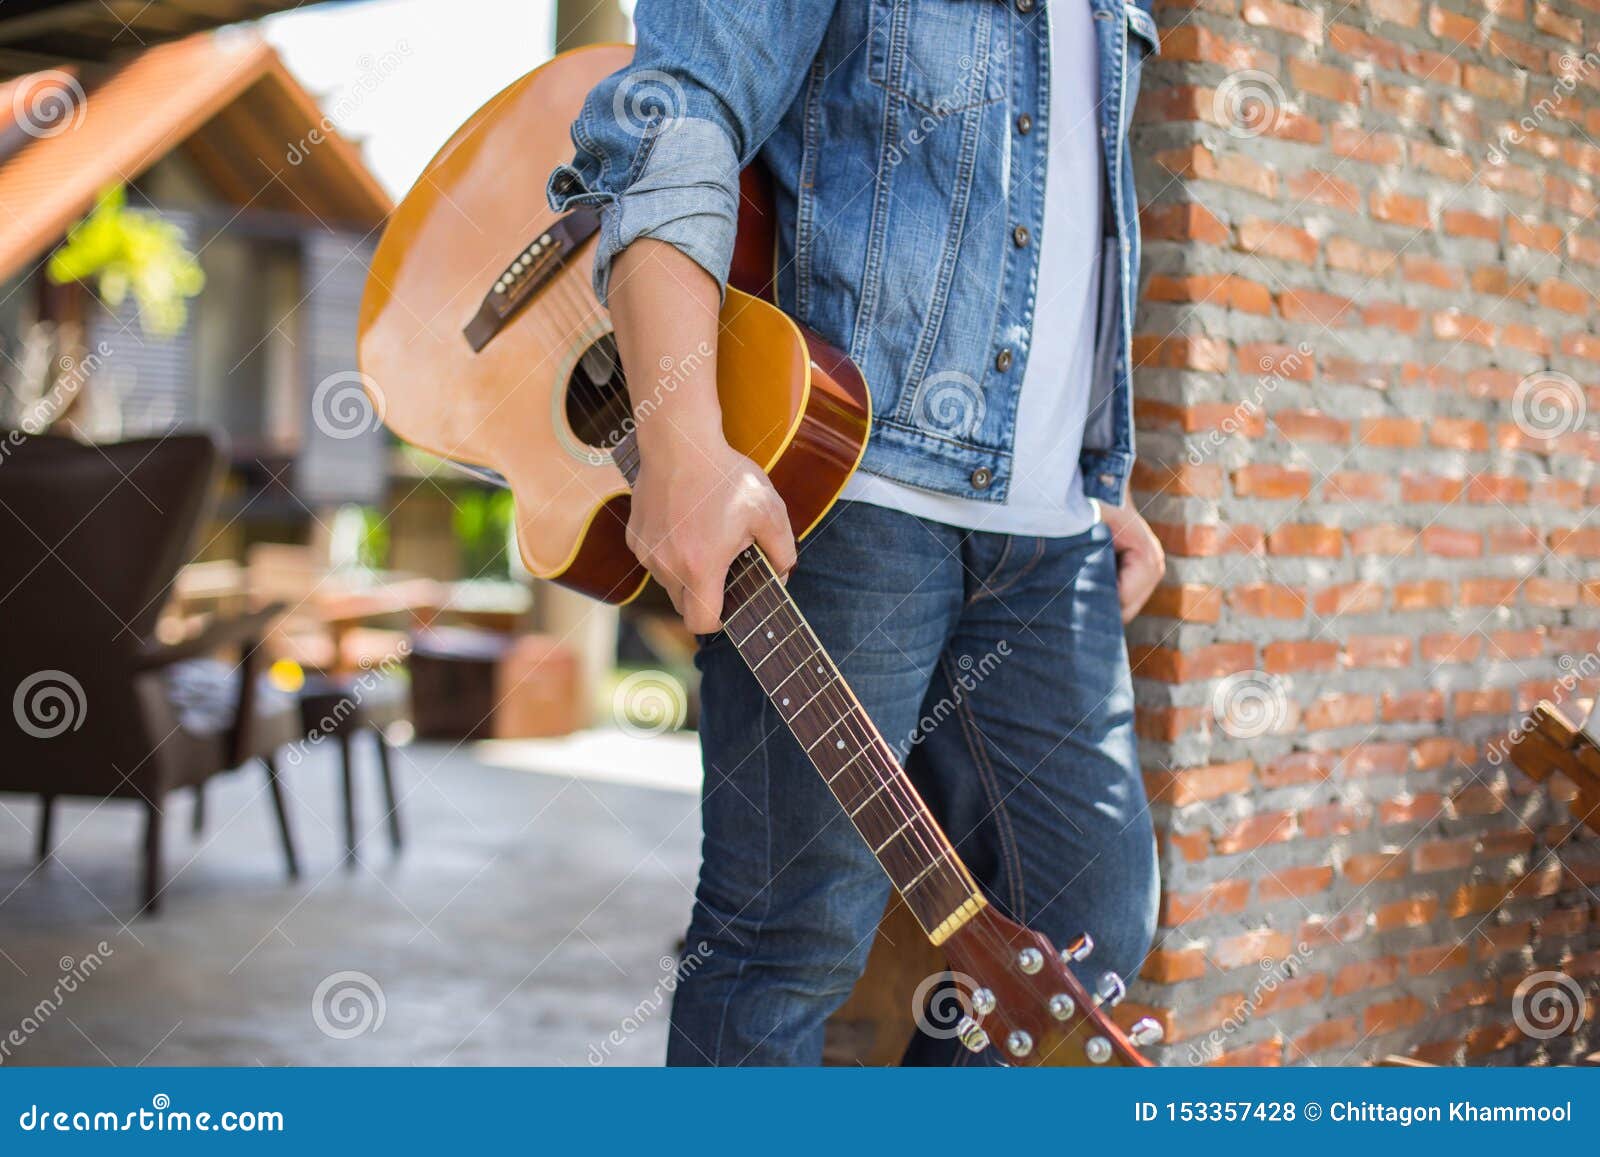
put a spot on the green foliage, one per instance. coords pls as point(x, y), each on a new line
point(373, 550)
point(128, 250)
point(482, 523)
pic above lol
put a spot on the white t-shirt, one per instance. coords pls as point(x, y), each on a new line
point(1046, 490)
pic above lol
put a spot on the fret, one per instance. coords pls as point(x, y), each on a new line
point(896, 834)
point(839, 743)
point(872, 795)
point(827, 720)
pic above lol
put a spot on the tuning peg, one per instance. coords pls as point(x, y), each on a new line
point(1062, 1006)
point(970, 1033)
point(1145, 1031)
point(1110, 990)
point(1019, 1043)
point(1097, 1049)
point(1030, 960)
point(1078, 950)
point(982, 1001)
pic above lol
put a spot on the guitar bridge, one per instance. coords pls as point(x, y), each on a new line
point(527, 273)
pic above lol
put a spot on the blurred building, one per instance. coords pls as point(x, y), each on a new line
point(214, 135)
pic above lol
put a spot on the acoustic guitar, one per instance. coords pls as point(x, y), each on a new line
point(481, 341)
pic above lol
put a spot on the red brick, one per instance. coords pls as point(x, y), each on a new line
point(1329, 1036)
point(1377, 973)
point(1183, 786)
point(1311, 426)
point(1395, 433)
point(1256, 832)
point(1285, 883)
point(1223, 898)
point(1286, 656)
point(1170, 665)
point(1168, 966)
point(1392, 1015)
point(1190, 602)
point(1268, 601)
point(1378, 651)
point(1409, 913)
point(1303, 540)
point(1359, 598)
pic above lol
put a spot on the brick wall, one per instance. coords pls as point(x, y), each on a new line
point(1367, 406)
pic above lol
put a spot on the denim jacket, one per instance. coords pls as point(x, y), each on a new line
point(906, 141)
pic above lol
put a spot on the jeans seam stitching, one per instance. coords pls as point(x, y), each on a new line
point(983, 590)
point(997, 805)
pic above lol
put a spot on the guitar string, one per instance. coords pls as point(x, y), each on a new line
point(904, 803)
point(895, 784)
point(938, 856)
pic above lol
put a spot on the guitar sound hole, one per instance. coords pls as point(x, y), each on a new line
point(597, 397)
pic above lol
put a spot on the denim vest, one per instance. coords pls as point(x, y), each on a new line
point(906, 141)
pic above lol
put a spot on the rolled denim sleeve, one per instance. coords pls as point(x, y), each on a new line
point(659, 144)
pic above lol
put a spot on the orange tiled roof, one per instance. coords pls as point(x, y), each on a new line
point(227, 100)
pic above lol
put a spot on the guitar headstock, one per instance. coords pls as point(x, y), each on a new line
point(1030, 1007)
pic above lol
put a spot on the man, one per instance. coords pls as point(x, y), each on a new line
point(955, 210)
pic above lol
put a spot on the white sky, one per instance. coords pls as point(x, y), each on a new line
point(400, 75)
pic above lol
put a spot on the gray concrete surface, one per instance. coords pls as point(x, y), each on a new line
point(530, 920)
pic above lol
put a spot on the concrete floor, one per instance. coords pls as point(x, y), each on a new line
point(530, 920)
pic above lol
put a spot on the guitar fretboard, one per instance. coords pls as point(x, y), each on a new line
point(828, 721)
point(860, 768)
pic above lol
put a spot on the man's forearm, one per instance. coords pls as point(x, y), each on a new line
point(664, 307)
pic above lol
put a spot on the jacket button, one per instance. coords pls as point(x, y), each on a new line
point(1020, 236)
point(981, 477)
point(1024, 124)
point(1024, 5)
point(1002, 361)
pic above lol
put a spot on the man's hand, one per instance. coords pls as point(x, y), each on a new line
point(695, 507)
point(697, 502)
point(1140, 560)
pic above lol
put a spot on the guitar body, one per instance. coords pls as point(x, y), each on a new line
point(791, 403)
point(481, 341)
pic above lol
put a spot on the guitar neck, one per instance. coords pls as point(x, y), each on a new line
point(825, 717)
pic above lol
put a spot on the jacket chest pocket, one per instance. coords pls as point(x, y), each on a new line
point(935, 54)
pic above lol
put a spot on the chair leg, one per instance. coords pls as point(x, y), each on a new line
point(199, 822)
point(292, 860)
point(388, 788)
point(47, 823)
point(349, 798)
point(152, 857)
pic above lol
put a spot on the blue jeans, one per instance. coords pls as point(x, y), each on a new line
point(997, 664)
